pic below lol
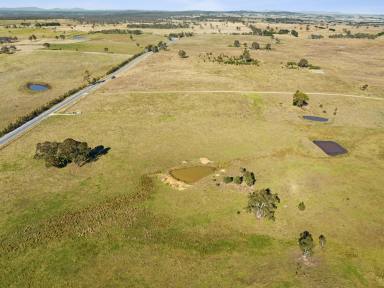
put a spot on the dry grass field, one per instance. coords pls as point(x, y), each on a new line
point(113, 223)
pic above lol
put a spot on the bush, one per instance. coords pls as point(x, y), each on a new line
point(182, 54)
point(322, 240)
point(303, 63)
point(301, 206)
point(236, 43)
point(238, 180)
point(255, 46)
point(227, 179)
point(295, 33)
point(249, 178)
point(263, 203)
point(306, 243)
point(300, 99)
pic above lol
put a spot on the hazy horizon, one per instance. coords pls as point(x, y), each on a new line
point(342, 6)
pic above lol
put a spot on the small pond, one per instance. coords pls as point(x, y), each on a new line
point(331, 148)
point(37, 87)
point(191, 175)
point(315, 118)
point(79, 37)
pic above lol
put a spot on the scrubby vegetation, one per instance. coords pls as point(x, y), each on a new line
point(263, 204)
point(348, 35)
point(159, 25)
point(8, 49)
point(244, 59)
point(303, 63)
point(59, 155)
point(247, 177)
point(179, 35)
point(118, 31)
point(300, 99)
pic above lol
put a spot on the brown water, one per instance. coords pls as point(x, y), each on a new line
point(191, 175)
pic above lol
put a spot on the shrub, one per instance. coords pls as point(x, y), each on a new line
point(263, 203)
point(255, 46)
point(300, 99)
point(182, 54)
point(295, 33)
point(303, 63)
point(301, 206)
point(249, 178)
point(268, 47)
point(236, 43)
point(306, 243)
point(227, 179)
point(322, 240)
point(238, 180)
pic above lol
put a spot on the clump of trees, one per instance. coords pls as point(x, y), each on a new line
point(179, 35)
point(247, 177)
point(59, 155)
point(168, 25)
point(316, 37)
point(303, 63)
point(8, 49)
point(32, 37)
point(349, 35)
point(263, 204)
point(244, 59)
point(300, 99)
point(307, 244)
point(118, 31)
point(47, 24)
point(8, 40)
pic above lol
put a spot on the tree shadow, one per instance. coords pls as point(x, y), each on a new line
point(96, 153)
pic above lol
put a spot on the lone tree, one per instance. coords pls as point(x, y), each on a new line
point(255, 46)
point(268, 47)
point(295, 33)
point(236, 43)
point(306, 243)
point(300, 99)
point(182, 54)
point(263, 204)
point(46, 45)
point(246, 56)
point(303, 63)
point(301, 206)
point(322, 240)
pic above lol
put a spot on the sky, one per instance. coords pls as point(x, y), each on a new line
point(346, 6)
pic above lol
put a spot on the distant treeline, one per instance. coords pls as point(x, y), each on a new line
point(271, 31)
point(47, 24)
point(159, 25)
point(179, 35)
point(357, 35)
point(118, 31)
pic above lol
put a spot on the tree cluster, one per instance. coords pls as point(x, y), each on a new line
point(303, 63)
point(59, 155)
point(118, 31)
point(306, 243)
point(247, 177)
point(244, 59)
point(179, 35)
point(168, 25)
point(8, 49)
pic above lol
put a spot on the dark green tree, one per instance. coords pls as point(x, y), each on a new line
point(300, 99)
point(306, 243)
point(263, 203)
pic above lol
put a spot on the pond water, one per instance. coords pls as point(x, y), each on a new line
point(315, 118)
point(331, 148)
point(38, 87)
point(78, 37)
point(191, 175)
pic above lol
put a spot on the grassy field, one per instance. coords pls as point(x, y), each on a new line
point(121, 44)
point(113, 223)
point(63, 71)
